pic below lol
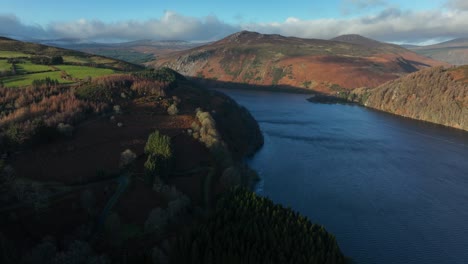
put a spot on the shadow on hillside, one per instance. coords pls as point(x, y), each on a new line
point(212, 84)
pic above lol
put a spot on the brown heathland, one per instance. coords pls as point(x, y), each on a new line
point(319, 65)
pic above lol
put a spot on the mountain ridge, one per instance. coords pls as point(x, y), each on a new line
point(274, 60)
point(454, 52)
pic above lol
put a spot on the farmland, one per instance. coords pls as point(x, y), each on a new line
point(28, 67)
point(4, 65)
point(26, 79)
point(27, 72)
point(82, 72)
point(12, 54)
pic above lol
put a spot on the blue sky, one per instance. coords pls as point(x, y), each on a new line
point(412, 21)
point(45, 11)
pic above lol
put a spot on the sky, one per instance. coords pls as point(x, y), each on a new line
point(397, 21)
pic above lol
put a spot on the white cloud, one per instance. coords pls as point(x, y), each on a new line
point(458, 4)
point(10, 25)
point(391, 24)
point(170, 26)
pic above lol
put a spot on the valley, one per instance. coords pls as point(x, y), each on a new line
point(236, 132)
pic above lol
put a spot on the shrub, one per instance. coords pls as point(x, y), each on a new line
point(65, 129)
point(47, 82)
point(159, 144)
point(126, 158)
point(14, 135)
point(159, 151)
point(95, 93)
point(207, 132)
point(117, 109)
point(172, 110)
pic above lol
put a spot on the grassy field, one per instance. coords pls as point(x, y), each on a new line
point(125, 55)
point(75, 59)
point(12, 54)
point(26, 79)
point(93, 59)
point(4, 65)
point(101, 60)
point(82, 72)
point(31, 68)
point(28, 74)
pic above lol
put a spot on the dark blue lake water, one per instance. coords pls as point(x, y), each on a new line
point(392, 190)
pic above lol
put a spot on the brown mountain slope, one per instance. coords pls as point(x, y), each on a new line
point(435, 95)
point(453, 52)
point(320, 65)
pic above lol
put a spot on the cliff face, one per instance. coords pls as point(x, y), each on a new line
point(436, 95)
point(272, 60)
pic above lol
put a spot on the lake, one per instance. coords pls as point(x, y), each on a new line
point(391, 189)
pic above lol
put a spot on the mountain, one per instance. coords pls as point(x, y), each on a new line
point(454, 51)
point(409, 46)
point(139, 51)
point(359, 40)
point(438, 95)
point(345, 62)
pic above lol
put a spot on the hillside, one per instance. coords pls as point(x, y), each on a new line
point(120, 168)
point(362, 41)
point(22, 63)
point(436, 95)
point(274, 60)
point(454, 52)
point(139, 51)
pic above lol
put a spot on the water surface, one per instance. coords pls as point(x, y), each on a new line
point(391, 189)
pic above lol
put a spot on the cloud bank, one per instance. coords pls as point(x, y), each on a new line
point(10, 25)
point(390, 24)
point(458, 4)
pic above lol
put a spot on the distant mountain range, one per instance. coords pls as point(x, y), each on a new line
point(345, 62)
point(454, 52)
point(139, 51)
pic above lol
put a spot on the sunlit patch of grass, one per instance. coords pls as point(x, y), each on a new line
point(31, 67)
point(26, 79)
point(4, 65)
point(82, 72)
point(75, 59)
point(12, 54)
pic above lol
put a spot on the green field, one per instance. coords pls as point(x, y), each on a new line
point(101, 60)
point(93, 59)
point(75, 59)
point(31, 68)
point(82, 72)
point(12, 54)
point(26, 79)
point(4, 65)
point(20, 80)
